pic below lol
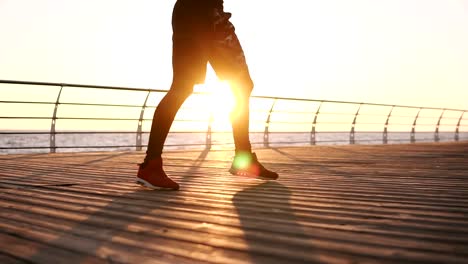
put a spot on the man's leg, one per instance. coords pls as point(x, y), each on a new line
point(164, 116)
point(245, 162)
point(228, 60)
point(240, 115)
point(189, 67)
point(151, 172)
point(189, 60)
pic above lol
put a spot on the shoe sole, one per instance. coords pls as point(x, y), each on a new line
point(151, 186)
point(250, 175)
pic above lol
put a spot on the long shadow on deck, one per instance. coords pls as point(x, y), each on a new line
point(129, 214)
point(114, 232)
point(271, 229)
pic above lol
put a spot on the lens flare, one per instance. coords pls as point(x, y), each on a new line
point(242, 160)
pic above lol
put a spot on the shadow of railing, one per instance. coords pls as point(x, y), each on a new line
point(275, 121)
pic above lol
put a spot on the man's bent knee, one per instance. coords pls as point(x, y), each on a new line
point(181, 89)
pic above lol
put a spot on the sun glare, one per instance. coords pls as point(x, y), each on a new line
point(218, 101)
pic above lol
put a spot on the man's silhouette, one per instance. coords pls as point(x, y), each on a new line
point(202, 33)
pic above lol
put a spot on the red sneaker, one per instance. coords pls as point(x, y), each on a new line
point(152, 175)
point(247, 164)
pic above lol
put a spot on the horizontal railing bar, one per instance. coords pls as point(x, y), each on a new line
point(428, 117)
point(352, 114)
point(107, 146)
point(336, 113)
point(457, 118)
point(105, 105)
point(74, 85)
point(289, 112)
point(333, 141)
point(24, 102)
point(65, 133)
point(310, 112)
point(422, 117)
point(253, 96)
point(344, 123)
point(333, 123)
point(90, 104)
point(24, 117)
point(76, 104)
point(287, 122)
point(214, 132)
point(366, 114)
point(38, 147)
point(96, 118)
point(108, 132)
point(355, 103)
point(70, 118)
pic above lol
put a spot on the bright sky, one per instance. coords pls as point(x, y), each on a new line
point(411, 52)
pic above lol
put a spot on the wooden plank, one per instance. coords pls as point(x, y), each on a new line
point(9, 259)
point(38, 252)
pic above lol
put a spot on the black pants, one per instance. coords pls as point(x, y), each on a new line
point(198, 38)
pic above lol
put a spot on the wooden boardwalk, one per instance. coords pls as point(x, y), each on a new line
point(332, 204)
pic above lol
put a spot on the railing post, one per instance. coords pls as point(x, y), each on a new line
point(139, 133)
point(266, 133)
point(313, 138)
point(385, 131)
point(457, 130)
point(353, 125)
point(413, 128)
point(436, 134)
point(208, 143)
point(53, 146)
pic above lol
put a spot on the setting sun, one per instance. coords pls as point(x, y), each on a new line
point(218, 101)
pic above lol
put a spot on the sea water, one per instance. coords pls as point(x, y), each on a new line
point(69, 142)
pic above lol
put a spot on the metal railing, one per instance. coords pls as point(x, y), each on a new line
point(296, 116)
